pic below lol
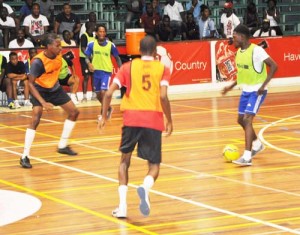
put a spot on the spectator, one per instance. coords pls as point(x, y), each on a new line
point(149, 20)
point(175, 11)
point(32, 52)
point(273, 15)
point(192, 32)
point(66, 20)
point(85, 39)
point(25, 10)
point(91, 18)
point(163, 31)
point(5, 83)
point(251, 17)
point(47, 9)
point(69, 77)
point(36, 25)
point(7, 26)
point(158, 8)
point(207, 27)
point(16, 72)
point(134, 11)
point(228, 21)
point(265, 30)
point(193, 6)
point(11, 13)
point(20, 41)
point(67, 41)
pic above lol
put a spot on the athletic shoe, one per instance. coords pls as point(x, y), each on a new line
point(120, 212)
point(254, 152)
point(242, 162)
point(109, 112)
point(144, 204)
point(25, 162)
point(11, 105)
point(17, 105)
point(66, 150)
point(27, 103)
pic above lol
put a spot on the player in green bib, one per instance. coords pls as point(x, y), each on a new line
point(252, 76)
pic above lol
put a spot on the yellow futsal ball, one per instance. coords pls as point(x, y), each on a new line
point(231, 153)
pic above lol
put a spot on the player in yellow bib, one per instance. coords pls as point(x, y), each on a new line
point(251, 61)
point(99, 62)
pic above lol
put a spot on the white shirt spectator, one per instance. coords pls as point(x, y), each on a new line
point(229, 23)
point(174, 11)
point(36, 25)
point(9, 22)
point(8, 7)
point(270, 33)
point(26, 44)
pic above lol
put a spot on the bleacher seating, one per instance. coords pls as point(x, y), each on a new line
point(114, 19)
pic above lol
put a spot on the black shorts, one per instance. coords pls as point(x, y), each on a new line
point(84, 67)
point(148, 141)
point(57, 97)
point(64, 82)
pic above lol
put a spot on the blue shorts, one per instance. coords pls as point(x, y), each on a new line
point(250, 102)
point(101, 80)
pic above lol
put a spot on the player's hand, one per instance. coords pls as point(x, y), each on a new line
point(91, 67)
point(261, 90)
point(225, 90)
point(47, 106)
point(169, 128)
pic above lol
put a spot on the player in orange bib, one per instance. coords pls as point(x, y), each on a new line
point(144, 104)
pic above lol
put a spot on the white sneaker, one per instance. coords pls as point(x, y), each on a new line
point(120, 212)
point(144, 204)
point(17, 105)
point(74, 99)
point(27, 103)
point(260, 149)
point(242, 162)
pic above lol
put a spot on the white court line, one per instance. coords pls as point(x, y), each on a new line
point(42, 119)
point(199, 204)
point(261, 137)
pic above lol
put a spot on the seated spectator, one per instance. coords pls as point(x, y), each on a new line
point(175, 11)
point(47, 9)
point(7, 26)
point(149, 20)
point(36, 25)
point(163, 31)
point(91, 18)
point(16, 72)
point(86, 38)
point(207, 27)
point(11, 13)
point(20, 41)
point(134, 11)
point(265, 30)
point(273, 15)
point(67, 20)
point(193, 6)
point(158, 8)
point(251, 18)
point(25, 10)
point(228, 21)
point(32, 52)
point(5, 83)
point(192, 32)
point(68, 77)
point(67, 41)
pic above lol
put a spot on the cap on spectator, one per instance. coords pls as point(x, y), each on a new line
point(228, 5)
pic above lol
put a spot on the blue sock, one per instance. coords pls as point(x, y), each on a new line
point(9, 100)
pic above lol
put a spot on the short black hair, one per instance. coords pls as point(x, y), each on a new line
point(13, 53)
point(242, 29)
point(49, 38)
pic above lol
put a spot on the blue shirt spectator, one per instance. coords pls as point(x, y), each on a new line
point(194, 7)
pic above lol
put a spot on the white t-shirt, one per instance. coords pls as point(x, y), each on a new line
point(205, 27)
point(9, 22)
point(264, 34)
point(36, 25)
point(174, 11)
point(14, 44)
point(259, 55)
point(229, 23)
point(8, 7)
